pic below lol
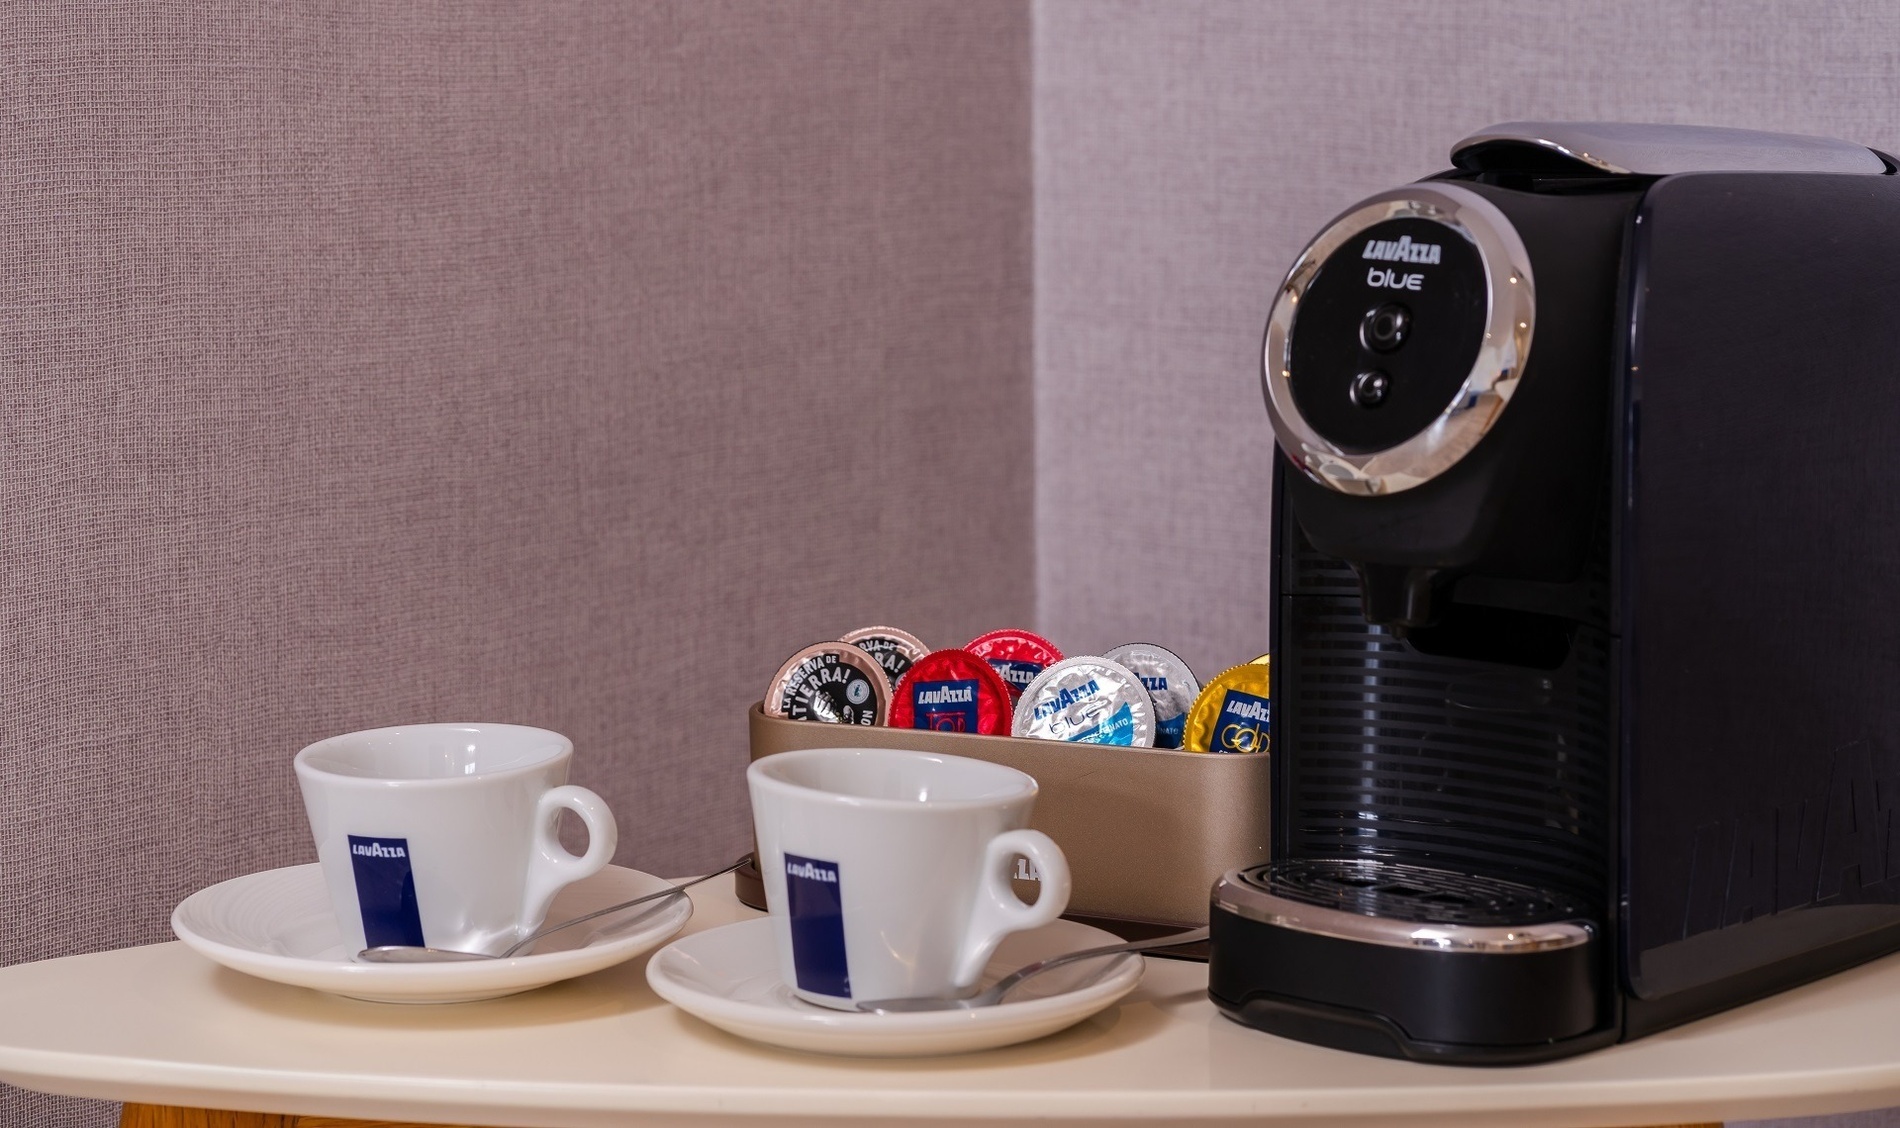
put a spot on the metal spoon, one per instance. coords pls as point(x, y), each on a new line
point(1011, 981)
point(407, 954)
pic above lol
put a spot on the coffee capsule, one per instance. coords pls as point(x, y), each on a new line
point(894, 650)
point(833, 682)
point(1263, 660)
point(1169, 682)
point(1017, 655)
point(1087, 701)
point(1232, 714)
point(951, 691)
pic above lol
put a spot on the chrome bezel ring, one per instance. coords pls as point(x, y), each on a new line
point(1510, 322)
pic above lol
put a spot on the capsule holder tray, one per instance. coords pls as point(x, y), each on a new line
point(1147, 831)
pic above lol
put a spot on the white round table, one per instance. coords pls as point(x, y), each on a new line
point(160, 1026)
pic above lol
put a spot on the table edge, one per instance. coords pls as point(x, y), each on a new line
point(1635, 1101)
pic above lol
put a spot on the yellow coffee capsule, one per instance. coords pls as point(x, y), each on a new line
point(1263, 660)
point(1232, 714)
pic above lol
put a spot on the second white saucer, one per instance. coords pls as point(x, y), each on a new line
point(729, 977)
point(278, 925)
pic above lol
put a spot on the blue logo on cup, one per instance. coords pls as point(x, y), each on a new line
point(1245, 723)
point(817, 915)
point(948, 706)
point(386, 891)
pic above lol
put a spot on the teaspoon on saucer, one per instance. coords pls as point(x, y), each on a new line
point(407, 954)
point(994, 994)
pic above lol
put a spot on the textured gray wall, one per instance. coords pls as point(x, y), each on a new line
point(571, 363)
point(1184, 153)
point(1186, 150)
point(568, 364)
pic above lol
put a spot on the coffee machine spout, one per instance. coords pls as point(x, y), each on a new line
point(1399, 597)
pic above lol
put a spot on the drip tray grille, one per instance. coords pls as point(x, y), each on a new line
point(1419, 894)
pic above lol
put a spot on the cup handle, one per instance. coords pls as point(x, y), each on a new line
point(551, 867)
point(999, 911)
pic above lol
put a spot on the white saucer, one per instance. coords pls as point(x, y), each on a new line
point(278, 925)
point(729, 977)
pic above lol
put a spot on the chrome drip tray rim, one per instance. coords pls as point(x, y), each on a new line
point(1293, 895)
point(1421, 894)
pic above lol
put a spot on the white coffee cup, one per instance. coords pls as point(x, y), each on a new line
point(887, 872)
point(445, 834)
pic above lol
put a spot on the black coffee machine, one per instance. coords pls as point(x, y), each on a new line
point(1586, 620)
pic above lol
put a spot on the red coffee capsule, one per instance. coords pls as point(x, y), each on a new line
point(952, 691)
point(1017, 655)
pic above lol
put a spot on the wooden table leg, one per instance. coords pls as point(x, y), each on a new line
point(166, 1116)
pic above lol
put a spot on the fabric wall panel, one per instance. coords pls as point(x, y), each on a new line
point(568, 364)
point(1186, 151)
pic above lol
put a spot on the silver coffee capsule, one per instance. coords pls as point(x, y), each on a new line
point(1087, 701)
point(1169, 682)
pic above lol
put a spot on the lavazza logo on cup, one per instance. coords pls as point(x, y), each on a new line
point(816, 906)
point(385, 891)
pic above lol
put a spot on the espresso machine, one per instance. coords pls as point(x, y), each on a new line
point(1586, 626)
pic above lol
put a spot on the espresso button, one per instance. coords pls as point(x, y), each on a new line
point(1368, 388)
point(1385, 326)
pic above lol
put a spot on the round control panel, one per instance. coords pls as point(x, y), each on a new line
point(1400, 309)
point(1398, 337)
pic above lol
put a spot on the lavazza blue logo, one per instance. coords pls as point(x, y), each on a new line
point(1018, 674)
point(1248, 709)
point(815, 906)
point(1400, 250)
point(811, 872)
point(946, 706)
point(386, 891)
point(1244, 723)
point(1067, 697)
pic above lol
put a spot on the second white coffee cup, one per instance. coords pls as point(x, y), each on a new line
point(445, 835)
point(887, 872)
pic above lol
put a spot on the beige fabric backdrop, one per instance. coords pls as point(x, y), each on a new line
point(1185, 152)
point(568, 364)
